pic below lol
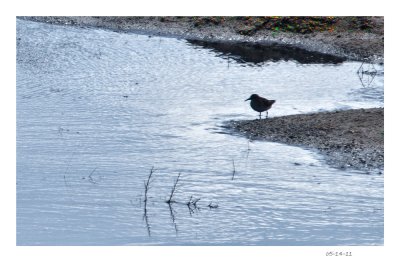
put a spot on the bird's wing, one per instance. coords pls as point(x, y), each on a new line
point(265, 102)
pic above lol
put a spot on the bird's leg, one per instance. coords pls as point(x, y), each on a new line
point(260, 115)
point(266, 115)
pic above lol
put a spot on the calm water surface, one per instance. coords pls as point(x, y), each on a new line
point(96, 110)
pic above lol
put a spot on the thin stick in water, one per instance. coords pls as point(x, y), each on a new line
point(147, 186)
point(234, 169)
point(173, 190)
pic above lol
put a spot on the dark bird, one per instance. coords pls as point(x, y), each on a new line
point(260, 104)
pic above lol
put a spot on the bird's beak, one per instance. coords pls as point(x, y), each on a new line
point(246, 99)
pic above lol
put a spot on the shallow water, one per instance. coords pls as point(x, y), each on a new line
point(96, 110)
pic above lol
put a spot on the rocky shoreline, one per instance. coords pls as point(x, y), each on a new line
point(349, 139)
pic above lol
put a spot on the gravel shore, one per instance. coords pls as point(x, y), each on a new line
point(349, 139)
point(347, 40)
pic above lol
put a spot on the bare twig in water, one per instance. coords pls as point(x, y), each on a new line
point(172, 214)
point(90, 177)
point(211, 205)
point(359, 69)
point(189, 203)
point(194, 202)
point(192, 205)
point(190, 200)
point(191, 210)
point(173, 190)
point(234, 169)
point(370, 73)
point(147, 187)
point(66, 170)
point(146, 219)
point(146, 190)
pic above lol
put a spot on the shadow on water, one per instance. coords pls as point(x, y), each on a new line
point(259, 53)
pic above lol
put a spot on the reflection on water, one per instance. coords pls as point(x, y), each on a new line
point(259, 53)
point(97, 109)
point(367, 72)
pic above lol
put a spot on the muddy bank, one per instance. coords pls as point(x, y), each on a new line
point(348, 139)
point(358, 38)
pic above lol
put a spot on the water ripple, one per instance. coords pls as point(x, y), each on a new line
point(97, 109)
